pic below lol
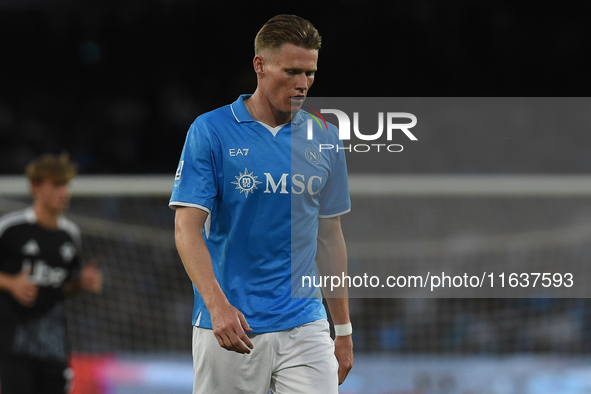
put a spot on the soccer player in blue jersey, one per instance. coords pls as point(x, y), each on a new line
point(256, 201)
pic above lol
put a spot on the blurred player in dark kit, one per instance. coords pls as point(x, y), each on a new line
point(40, 264)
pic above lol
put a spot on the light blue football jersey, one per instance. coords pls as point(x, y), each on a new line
point(264, 192)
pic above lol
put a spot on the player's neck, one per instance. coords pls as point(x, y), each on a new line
point(45, 217)
point(261, 110)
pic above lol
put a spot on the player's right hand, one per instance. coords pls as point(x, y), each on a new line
point(230, 327)
point(23, 290)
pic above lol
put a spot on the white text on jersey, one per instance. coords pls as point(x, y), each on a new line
point(239, 152)
point(298, 181)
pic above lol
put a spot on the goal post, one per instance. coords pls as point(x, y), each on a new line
point(401, 221)
point(360, 185)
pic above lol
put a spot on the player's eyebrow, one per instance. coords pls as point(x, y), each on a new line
point(298, 70)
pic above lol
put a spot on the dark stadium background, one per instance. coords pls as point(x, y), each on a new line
point(117, 83)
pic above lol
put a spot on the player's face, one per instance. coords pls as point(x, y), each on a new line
point(53, 195)
point(288, 73)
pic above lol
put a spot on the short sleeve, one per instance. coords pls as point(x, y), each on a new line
point(73, 232)
point(334, 199)
point(195, 182)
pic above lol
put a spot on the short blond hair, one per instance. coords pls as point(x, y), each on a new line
point(287, 29)
point(49, 166)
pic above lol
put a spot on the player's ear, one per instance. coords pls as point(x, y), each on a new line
point(259, 64)
point(262, 60)
point(35, 188)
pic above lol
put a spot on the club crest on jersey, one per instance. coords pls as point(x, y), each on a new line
point(67, 251)
point(31, 248)
point(313, 155)
point(246, 182)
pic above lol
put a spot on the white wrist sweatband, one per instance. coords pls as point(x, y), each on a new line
point(342, 330)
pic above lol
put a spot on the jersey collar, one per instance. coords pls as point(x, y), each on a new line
point(242, 115)
point(30, 215)
point(239, 110)
point(298, 118)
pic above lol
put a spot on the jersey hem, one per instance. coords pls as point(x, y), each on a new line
point(333, 215)
point(272, 329)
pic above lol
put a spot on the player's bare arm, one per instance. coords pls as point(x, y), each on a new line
point(90, 280)
point(91, 277)
point(331, 259)
point(229, 324)
point(20, 287)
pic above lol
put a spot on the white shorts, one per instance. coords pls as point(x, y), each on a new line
point(300, 360)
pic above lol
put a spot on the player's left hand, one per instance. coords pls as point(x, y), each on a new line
point(91, 278)
point(343, 350)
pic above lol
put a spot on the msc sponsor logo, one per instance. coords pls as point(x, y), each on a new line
point(247, 182)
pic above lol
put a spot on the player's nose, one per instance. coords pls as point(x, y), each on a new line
point(302, 83)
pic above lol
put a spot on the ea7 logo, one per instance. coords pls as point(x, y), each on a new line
point(344, 125)
point(239, 152)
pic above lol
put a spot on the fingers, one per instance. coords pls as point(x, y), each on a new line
point(344, 355)
point(92, 264)
point(244, 323)
point(343, 372)
point(229, 329)
point(23, 290)
point(242, 335)
point(245, 340)
point(28, 295)
point(27, 270)
point(91, 278)
point(344, 369)
point(234, 340)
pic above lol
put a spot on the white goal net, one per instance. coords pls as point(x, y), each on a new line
point(398, 221)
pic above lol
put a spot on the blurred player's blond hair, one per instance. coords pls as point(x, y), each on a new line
point(48, 166)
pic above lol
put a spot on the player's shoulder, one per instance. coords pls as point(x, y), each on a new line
point(212, 119)
point(333, 132)
point(15, 219)
point(69, 227)
point(212, 125)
